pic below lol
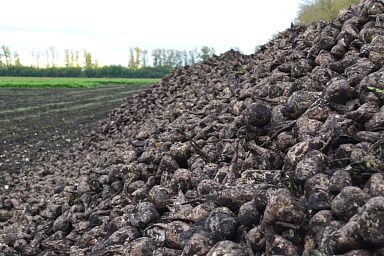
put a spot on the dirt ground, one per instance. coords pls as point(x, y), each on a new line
point(35, 122)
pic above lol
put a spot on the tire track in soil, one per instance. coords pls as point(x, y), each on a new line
point(36, 122)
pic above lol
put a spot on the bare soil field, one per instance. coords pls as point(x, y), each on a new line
point(35, 122)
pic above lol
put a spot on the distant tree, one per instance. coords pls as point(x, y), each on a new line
point(169, 57)
point(87, 60)
point(206, 52)
point(136, 58)
point(76, 62)
point(67, 58)
point(7, 54)
point(185, 58)
point(53, 54)
point(16, 57)
point(325, 10)
point(164, 58)
point(72, 58)
point(193, 56)
point(138, 53)
point(131, 61)
point(157, 57)
point(47, 58)
point(179, 59)
point(144, 58)
point(36, 55)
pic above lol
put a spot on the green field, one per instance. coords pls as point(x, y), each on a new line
point(54, 82)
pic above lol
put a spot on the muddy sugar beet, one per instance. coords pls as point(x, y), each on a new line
point(285, 157)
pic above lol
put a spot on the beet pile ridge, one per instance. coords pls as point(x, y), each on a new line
point(281, 152)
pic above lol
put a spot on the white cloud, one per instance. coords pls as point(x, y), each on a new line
point(110, 28)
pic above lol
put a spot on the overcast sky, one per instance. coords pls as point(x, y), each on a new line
point(109, 28)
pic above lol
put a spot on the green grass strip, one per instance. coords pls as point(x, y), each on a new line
point(49, 82)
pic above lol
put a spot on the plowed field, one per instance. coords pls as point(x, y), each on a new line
point(34, 122)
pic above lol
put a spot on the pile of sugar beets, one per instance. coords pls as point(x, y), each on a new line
point(276, 153)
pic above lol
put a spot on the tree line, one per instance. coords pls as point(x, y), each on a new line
point(321, 10)
point(81, 63)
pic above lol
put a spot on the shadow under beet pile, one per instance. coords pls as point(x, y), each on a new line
point(280, 152)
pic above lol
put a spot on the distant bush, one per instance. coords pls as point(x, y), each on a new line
point(105, 71)
point(322, 10)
